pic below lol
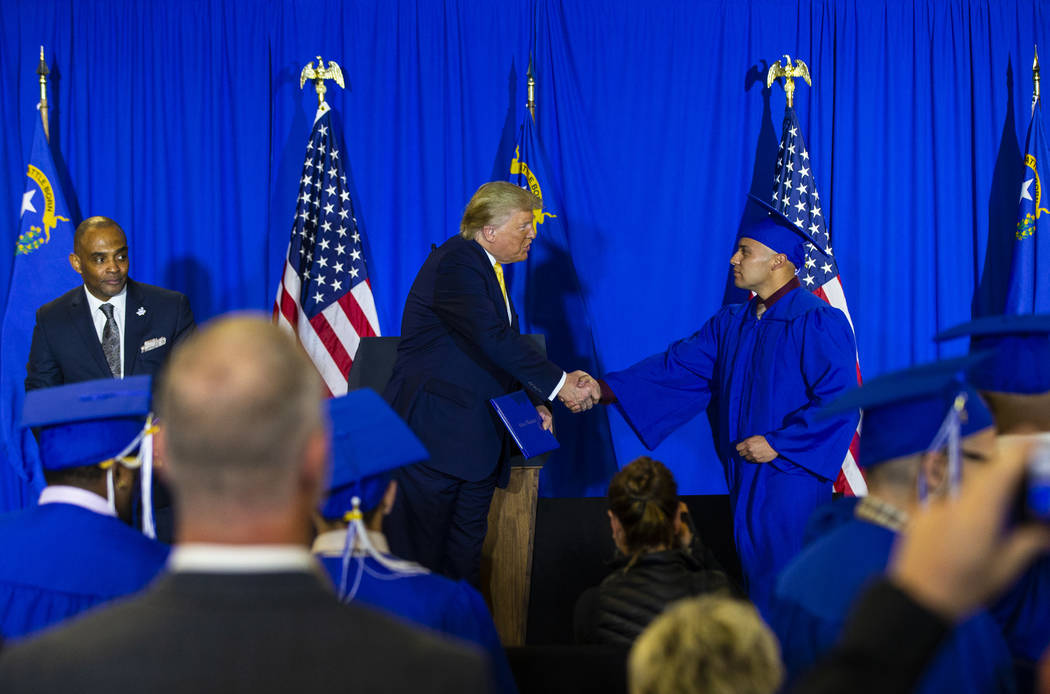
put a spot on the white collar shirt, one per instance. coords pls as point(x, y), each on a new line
point(199, 557)
point(119, 303)
point(64, 494)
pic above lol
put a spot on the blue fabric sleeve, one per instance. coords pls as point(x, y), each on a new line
point(659, 394)
point(828, 357)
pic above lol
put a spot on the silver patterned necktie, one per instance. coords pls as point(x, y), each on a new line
point(111, 340)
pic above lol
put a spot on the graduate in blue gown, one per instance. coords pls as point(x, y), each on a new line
point(369, 442)
point(761, 370)
point(72, 551)
point(1015, 381)
point(905, 414)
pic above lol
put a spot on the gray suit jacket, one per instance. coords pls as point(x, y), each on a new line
point(282, 632)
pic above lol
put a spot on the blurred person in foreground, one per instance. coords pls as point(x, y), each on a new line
point(707, 645)
point(659, 558)
point(74, 550)
point(956, 556)
point(369, 443)
point(906, 417)
point(243, 606)
point(1015, 382)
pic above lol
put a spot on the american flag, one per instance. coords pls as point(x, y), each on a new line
point(795, 194)
point(325, 297)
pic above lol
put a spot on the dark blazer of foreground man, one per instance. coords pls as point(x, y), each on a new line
point(243, 607)
point(67, 345)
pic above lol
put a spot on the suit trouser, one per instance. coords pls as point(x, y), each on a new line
point(440, 521)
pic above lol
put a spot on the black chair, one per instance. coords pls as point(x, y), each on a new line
point(569, 669)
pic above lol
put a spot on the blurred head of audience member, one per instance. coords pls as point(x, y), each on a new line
point(709, 645)
point(1014, 378)
point(662, 559)
point(244, 438)
point(88, 433)
point(645, 514)
point(906, 419)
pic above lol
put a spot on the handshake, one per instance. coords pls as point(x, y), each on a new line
point(580, 392)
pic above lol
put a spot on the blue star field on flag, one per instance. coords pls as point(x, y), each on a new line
point(325, 297)
point(795, 194)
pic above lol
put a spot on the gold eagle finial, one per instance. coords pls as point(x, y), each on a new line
point(789, 72)
point(319, 75)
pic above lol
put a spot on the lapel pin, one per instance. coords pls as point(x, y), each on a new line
point(141, 311)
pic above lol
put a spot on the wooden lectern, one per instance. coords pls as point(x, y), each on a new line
point(506, 557)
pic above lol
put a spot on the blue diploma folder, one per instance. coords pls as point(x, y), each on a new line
point(523, 422)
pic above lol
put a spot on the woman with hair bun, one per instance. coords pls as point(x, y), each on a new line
point(659, 559)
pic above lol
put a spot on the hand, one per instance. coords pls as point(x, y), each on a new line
point(755, 449)
point(546, 420)
point(578, 391)
point(955, 554)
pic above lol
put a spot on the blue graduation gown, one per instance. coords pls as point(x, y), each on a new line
point(815, 594)
point(1023, 612)
point(757, 377)
point(451, 607)
point(57, 560)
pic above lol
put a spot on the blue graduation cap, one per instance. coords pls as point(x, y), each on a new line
point(369, 442)
point(87, 423)
point(778, 233)
point(904, 411)
point(1021, 346)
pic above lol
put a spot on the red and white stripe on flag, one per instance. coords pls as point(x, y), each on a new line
point(795, 194)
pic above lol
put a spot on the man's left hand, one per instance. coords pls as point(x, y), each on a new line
point(755, 449)
point(546, 420)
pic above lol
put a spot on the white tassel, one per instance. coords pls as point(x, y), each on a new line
point(110, 494)
point(357, 537)
point(949, 436)
point(146, 481)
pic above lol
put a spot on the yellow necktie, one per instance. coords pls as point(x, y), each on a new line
point(503, 287)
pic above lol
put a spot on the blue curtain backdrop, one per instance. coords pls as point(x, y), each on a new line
point(185, 122)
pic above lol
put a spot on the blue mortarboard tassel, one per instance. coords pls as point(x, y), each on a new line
point(950, 436)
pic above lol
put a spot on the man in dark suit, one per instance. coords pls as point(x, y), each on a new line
point(460, 346)
point(244, 607)
point(110, 327)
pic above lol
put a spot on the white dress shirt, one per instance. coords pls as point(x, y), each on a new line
point(199, 557)
point(63, 494)
point(119, 303)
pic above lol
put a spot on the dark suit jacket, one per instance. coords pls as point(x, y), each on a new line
point(456, 352)
point(66, 348)
point(199, 632)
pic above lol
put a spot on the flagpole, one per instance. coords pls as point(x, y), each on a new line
point(1035, 80)
point(531, 103)
point(42, 106)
